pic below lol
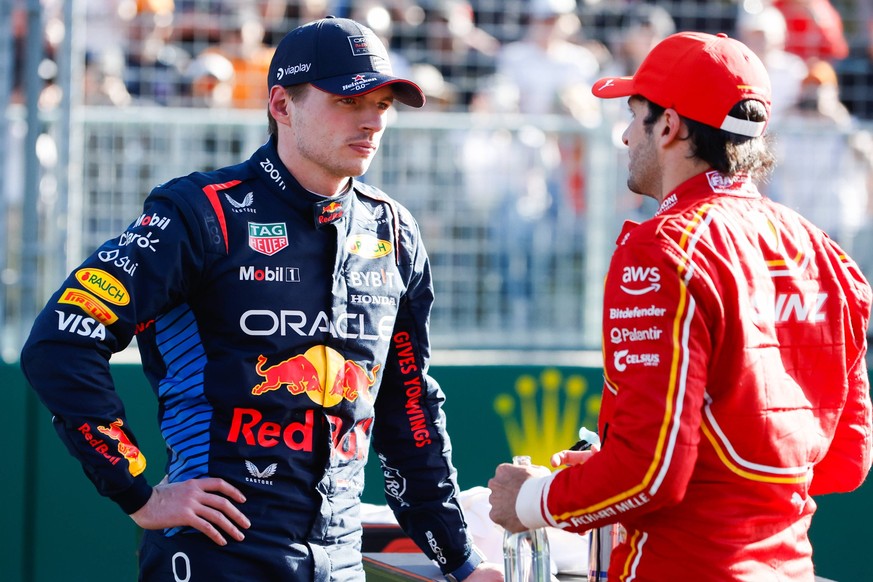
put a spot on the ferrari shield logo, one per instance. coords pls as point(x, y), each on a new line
point(268, 239)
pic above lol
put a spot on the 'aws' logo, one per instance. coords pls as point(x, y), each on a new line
point(640, 280)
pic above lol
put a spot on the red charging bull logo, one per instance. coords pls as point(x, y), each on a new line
point(128, 450)
point(321, 373)
point(327, 213)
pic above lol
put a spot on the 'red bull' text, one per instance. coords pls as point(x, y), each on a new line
point(98, 444)
point(248, 424)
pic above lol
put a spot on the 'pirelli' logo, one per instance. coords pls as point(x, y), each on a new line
point(89, 304)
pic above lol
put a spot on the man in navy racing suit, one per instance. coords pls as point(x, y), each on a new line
point(281, 311)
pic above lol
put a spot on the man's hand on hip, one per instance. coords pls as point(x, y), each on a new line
point(204, 504)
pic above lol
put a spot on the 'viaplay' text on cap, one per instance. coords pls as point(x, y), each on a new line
point(339, 56)
point(702, 77)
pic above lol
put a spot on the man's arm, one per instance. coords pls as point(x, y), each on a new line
point(116, 293)
point(409, 433)
point(641, 396)
point(850, 454)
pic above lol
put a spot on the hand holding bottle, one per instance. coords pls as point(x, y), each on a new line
point(526, 554)
point(505, 485)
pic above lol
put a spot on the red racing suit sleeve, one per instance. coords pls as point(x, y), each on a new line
point(655, 354)
point(850, 455)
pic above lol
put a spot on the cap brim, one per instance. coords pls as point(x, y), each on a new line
point(405, 91)
point(611, 87)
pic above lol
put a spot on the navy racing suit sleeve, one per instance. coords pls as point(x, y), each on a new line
point(113, 295)
point(409, 433)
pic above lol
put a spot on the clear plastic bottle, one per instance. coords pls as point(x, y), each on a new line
point(526, 554)
point(602, 540)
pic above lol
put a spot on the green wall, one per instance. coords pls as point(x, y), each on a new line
point(55, 527)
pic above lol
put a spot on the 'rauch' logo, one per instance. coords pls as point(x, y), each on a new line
point(368, 246)
point(103, 285)
point(268, 239)
point(543, 424)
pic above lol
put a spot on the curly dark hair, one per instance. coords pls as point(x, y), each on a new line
point(728, 153)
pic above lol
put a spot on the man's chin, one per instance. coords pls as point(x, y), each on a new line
point(360, 169)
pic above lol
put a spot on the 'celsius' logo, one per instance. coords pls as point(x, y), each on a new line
point(622, 359)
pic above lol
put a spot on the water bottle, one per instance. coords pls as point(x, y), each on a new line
point(526, 554)
point(602, 540)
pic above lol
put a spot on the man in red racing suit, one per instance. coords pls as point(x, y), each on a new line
point(734, 341)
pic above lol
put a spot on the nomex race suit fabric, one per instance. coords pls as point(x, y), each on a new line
point(734, 340)
point(274, 326)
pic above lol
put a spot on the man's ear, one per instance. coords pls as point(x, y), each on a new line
point(278, 104)
point(671, 127)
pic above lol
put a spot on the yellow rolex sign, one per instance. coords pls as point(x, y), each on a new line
point(542, 412)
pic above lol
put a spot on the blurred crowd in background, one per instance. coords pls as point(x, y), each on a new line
point(517, 55)
point(534, 59)
point(486, 56)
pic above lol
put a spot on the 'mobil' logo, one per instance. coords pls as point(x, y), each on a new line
point(548, 415)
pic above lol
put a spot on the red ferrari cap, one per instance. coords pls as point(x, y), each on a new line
point(701, 76)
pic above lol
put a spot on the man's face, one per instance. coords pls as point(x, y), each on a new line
point(334, 136)
point(643, 173)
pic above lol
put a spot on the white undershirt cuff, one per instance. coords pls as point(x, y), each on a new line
point(531, 501)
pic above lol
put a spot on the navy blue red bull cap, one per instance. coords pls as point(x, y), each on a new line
point(339, 56)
